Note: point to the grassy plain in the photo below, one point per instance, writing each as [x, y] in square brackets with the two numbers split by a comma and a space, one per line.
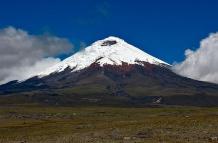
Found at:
[43, 124]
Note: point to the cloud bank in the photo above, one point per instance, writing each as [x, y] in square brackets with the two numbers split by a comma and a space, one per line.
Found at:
[201, 64]
[23, 55]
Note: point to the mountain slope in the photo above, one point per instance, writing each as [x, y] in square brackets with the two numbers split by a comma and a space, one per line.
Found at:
[111, 72]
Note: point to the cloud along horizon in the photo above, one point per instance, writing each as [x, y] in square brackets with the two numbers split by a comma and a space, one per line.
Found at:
[23, 55]
[201, 64]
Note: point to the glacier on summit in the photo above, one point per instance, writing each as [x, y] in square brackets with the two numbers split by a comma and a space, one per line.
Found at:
[109, 51]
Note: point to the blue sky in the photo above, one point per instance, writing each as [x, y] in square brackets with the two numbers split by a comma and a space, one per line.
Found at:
[162, 28]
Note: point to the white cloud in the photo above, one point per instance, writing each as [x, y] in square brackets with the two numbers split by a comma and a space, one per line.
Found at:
[22, 55]
[201, 64]
[25, 72]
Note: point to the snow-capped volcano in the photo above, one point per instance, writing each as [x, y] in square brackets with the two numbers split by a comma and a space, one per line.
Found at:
[111, 72]
[109, 51]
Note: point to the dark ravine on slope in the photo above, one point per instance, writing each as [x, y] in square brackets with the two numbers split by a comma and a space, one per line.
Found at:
[113, 79]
